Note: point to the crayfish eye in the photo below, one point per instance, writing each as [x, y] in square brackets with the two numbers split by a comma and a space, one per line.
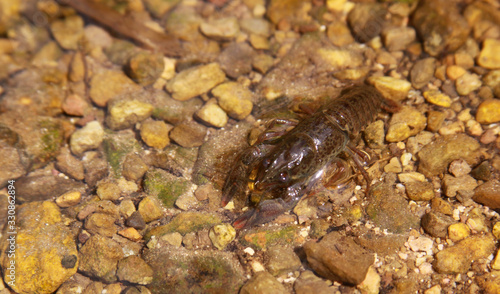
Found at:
[266, 162]
[284, 177]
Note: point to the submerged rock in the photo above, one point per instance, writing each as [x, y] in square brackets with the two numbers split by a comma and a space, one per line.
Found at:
[263, 282]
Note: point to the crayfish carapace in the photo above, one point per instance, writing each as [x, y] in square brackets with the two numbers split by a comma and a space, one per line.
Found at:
[284, 165]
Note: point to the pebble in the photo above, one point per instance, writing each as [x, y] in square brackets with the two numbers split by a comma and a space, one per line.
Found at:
[440, 205]
[195, 81]
[437, 98]
[308, 282]
[467, 84]
[87, 138]
[409, 177]
[454, 72]
[99, 258]
[189, 134]
[336, 59]
[43, 237]
[457, 259]
[212, 114]
[75, 105]
[477, 221]
[174, 239]
[262, 63]
[371, 284]
[68, 31]
[488, 57]
[135, 220]
[436, 224]
[167, 187]
[134, 167]
[149, 209]
[422, 72]
[374, 135]
[458, 231]
[436, 156]
[495, 264]
[101, 223]
[264, 283]
[145, 67]
[421, 243]
[459, 168]
[339, 258]
[236, 59]
[339, 34]
[488, 194]
[221, 29]
[97, 37]
[393, 166]
[69, 165]
[124, 114]
[221, 235]
[391, 88]
[488, 111]
[281, 260]
[398, 38]
[155, 134]
[257, 26]
[108, 84]
[440, 25]
[187, 201]
[405, 123]
[69, 199]
[108, 190]
[367, 20]
[419, 191]
[453, 184]
[134, 269]
[234, 99]
[496, 230]
[482, 171]
[131, 234]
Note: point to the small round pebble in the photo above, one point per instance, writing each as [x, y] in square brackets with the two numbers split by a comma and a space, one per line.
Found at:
[213, 115]
[69, 199]
[87, 138]
[488, 111]
[458, 231]
[489, 57]
[155, 134]
[221, 235]
[437, 98]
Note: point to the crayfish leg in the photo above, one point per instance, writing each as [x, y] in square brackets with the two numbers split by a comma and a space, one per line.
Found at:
[356, 157]
[265, 212]
[339, 173]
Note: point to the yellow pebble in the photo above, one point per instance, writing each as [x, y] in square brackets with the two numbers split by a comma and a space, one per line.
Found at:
[458, 231]
[488, 112]
[437, 98]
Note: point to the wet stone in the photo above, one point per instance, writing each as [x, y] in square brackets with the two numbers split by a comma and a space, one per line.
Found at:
[149, 209]
[145, 68]
[405, 123]
[454, 72]
[262, 63]
[374, 135]
[75, 105]
[127, 207]
[308, 283]
[123, 114]
[166, 187]
[177, 270]
[391, 88]
[367, 21]
[390, 211]
[135, 270]
[195, 81]
[459, 168]
[221, 235]
[420, 191]
[136, 221]
[258, 26]
[221, 29]
[436, 156]
[134, 167]
[437, 98]
[155, 134]
[53, 256]
[438, 204]
[339, 258]
[422, 72]
[435, 120]
[282, 260]
[69, 199]
[488, 58]
[482, 172]
[440, 25]
[488, 194]
[213, 115]
[234, 99]
[87, 138]
[101, 223]
[99, 258]
[95, 170]
[44, 187]
[69, 165]
[467, 84]
[108, 84]
[488, 111]
[187, 201]
[339, 34]
[398, 38]
[68, 32]
[453, 184]
[436, 224]
[263, 282]
[131, 234]
[236, 59]
[458, 258]
[458, 231]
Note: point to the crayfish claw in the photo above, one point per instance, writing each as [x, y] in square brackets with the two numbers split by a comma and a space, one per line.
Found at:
[267, 211]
